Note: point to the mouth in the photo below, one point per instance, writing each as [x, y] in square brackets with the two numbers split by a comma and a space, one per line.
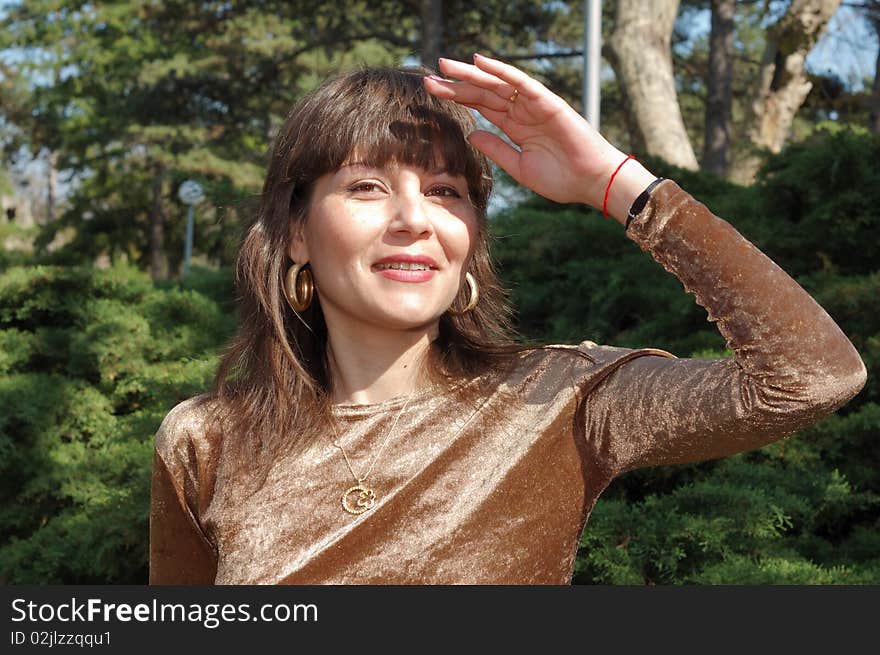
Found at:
[406, 268]
[402, 266]
[405, 262]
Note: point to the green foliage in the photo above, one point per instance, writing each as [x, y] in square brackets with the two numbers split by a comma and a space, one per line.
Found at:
[744, 523]
[822, 195]
[112, 343]
[90, 362]
[15, 349]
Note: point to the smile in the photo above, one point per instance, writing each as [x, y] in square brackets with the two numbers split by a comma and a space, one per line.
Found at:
[411, 272]
[403, 266]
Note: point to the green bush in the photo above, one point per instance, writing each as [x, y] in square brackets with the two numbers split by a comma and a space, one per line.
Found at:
[766, 523]
[16, 348]
[821, 197]
[113, 342]
[90, 362]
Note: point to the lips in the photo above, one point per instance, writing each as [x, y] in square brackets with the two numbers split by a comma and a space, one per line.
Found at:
[406, 258]
[403, 273]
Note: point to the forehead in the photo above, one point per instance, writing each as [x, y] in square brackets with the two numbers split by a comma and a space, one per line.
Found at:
[411, 144]
[394, 166]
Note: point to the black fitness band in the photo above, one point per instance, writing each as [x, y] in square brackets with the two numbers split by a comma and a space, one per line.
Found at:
[640, 202]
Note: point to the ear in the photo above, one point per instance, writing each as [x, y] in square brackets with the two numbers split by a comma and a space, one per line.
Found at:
[297, 249]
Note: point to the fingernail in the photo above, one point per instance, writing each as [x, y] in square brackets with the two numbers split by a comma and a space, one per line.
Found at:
[436, 78]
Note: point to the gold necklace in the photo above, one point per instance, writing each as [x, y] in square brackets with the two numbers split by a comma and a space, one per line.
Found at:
[365, 496]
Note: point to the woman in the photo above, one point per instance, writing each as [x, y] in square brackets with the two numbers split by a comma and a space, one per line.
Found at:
[375, 422]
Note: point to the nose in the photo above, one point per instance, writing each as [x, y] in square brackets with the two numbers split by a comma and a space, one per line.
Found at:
[411, 214]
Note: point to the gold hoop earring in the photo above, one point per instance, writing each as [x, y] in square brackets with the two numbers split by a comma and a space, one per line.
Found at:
[299, 289]
[475, 296]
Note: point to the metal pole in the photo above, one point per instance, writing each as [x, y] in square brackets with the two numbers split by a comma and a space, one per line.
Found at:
[187, 253]
[592, 59]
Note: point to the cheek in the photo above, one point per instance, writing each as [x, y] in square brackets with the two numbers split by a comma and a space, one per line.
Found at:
[473, 235]
[337, 240]
[461, 238]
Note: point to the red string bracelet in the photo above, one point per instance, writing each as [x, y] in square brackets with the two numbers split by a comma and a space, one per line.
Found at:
[608, 188]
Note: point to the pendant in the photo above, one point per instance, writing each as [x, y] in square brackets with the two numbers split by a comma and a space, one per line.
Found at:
[366, 498]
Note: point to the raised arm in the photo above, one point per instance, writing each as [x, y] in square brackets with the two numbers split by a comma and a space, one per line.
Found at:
[792, 364]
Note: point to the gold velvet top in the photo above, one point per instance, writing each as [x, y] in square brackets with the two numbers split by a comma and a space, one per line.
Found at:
[499, 492]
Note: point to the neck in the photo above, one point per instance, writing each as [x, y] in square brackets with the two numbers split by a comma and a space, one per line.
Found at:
[374, 365]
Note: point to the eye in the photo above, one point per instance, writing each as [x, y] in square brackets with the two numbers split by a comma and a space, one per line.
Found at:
[444, 190]
[365, 187]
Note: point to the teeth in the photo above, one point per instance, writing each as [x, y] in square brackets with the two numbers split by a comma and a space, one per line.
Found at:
[404, 266]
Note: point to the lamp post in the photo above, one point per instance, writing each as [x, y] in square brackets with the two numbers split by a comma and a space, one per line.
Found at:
[190, 194]
[592, 59]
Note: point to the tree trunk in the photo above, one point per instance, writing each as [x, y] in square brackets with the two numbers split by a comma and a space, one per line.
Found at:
[432, 31]
[640, 53]
[782, 84]
[158, 259]
[716, 143]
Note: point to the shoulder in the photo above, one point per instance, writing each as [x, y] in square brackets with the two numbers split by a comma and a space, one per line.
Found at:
[183, 430]
[574, 363]
[584, 354]
[560, 362]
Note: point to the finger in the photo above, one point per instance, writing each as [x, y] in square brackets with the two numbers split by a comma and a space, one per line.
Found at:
[500, 119]
[465, 93]
[496, 149]
[527, 86]
[477, 77]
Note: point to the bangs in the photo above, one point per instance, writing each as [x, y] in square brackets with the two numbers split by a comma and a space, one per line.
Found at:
[384, 116]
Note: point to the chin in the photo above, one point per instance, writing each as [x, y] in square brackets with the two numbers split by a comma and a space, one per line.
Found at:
[412, 319]
[413, 322]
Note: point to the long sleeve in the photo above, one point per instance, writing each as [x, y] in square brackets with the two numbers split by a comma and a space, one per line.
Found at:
[792, 364]
[180, 552]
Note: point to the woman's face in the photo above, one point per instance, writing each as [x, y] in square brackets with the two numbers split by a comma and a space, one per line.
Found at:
[388, 246]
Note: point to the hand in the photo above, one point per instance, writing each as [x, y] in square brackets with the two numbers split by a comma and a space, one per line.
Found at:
[560, 155]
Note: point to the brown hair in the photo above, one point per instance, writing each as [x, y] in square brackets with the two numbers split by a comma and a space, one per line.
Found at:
[274, 380]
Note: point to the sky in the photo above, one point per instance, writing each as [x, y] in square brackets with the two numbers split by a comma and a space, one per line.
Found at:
[848, 49]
